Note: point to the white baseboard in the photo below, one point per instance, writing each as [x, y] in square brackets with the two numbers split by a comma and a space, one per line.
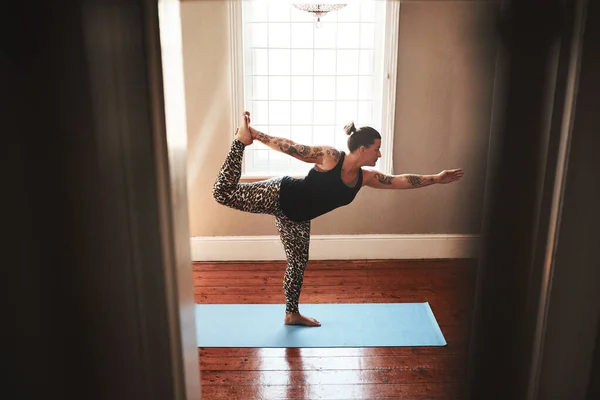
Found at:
[337, 247]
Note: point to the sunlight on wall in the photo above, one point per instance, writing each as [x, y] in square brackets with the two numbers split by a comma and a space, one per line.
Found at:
[199, 149]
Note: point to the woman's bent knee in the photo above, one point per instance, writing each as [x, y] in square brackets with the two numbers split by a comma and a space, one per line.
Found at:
[220, 195]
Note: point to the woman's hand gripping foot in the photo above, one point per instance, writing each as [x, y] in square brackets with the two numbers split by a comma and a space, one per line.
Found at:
[299, 319]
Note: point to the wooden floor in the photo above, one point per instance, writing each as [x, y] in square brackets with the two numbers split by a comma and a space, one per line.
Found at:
[342, 373]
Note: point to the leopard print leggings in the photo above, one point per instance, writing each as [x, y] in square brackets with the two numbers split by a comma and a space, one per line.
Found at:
[263, 198]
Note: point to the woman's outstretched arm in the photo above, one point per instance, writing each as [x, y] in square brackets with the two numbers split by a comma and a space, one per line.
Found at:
[323, 156]
[376, 179]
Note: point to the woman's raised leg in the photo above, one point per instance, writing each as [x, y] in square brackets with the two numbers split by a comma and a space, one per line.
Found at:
[256, 197]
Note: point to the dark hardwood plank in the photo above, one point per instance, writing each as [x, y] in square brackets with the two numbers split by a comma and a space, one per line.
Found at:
[336, 270]
[412, 391]
[449, 294]
[338, 278]
[316, 296]
[415, 363]
[439, 370]
[347, 265]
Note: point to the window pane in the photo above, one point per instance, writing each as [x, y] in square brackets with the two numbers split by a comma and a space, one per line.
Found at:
[350, 13]
[367, 11]
[302, 134]
[302, 88]
[348, 36]
[302, 62]
[279, 88]
[341, 139]
[279, 112]
[347, 88]
[279, 62]
[302, 113]
[260, 158]
[325, 135]
[346, 111]
[324, 62]
[255, 11]
[248, 61]
[260, 64]
[248, 92]
[325, 35]
[279, 35]
[347, 62]
[366, 62]
[258, 34]
[259, 111]
[365, 113]
[302, 35]
[380, 11]
[280, 131]
[324, 87]
[278, 11]
[260, 88]
[324, 112]
[367, 36]
[278, 160]
[365, 88]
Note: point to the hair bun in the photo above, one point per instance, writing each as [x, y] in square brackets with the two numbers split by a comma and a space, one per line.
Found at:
[350, 128]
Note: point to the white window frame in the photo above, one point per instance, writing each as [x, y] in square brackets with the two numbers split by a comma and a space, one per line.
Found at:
[388, 91]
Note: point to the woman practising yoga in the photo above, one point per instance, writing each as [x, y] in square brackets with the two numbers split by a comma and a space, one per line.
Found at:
[333, 182]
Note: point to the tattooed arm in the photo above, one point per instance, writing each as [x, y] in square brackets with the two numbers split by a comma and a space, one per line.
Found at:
[378, 180]
[324, 157]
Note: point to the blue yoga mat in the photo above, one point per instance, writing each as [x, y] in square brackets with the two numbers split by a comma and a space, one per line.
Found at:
[342, 325]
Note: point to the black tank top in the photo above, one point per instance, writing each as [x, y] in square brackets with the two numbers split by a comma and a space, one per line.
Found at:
[317, 193]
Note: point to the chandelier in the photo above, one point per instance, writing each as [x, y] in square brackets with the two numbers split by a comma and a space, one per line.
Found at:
[319, 10]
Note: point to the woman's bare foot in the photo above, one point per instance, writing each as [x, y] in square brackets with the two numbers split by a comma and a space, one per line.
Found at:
[253, 132]
[299, 319]
[243, 132]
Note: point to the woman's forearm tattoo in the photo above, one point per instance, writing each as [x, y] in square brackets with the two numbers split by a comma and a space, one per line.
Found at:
[384, 179]
[263, 138]
[416, 180]
[307, 152]
[289, 147]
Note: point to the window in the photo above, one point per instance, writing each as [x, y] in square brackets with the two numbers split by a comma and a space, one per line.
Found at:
[305, 82]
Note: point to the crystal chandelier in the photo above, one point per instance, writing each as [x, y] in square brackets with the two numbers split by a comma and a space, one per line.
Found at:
[319, 10]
